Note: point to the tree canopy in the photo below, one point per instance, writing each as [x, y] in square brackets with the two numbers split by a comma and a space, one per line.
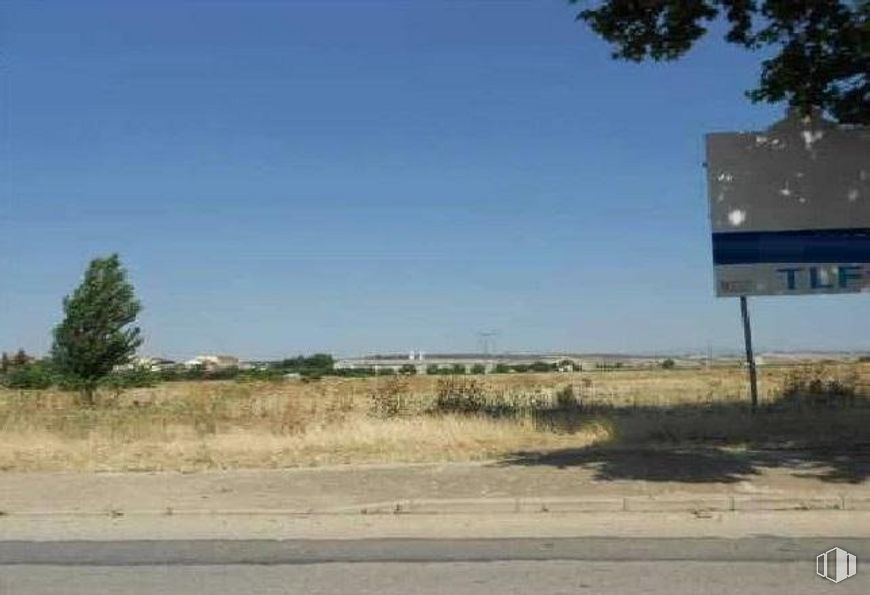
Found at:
[96, 333]
[820, 49]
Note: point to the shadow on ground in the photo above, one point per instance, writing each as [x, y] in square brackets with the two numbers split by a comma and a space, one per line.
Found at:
[700, 464]
[721, 443]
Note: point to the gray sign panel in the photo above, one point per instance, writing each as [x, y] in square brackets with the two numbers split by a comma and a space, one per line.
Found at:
[790, 209]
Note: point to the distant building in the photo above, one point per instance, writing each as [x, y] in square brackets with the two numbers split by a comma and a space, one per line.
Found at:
[253, 366]
[568, 365]
[213, 362]
[154, 364]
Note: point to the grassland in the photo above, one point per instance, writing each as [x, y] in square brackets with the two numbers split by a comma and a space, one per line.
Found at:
[190, 426]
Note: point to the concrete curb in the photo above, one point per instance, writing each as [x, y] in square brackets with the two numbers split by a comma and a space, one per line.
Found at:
[536, 505]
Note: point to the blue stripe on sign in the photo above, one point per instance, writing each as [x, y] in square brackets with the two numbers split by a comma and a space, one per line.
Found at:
[809, 245]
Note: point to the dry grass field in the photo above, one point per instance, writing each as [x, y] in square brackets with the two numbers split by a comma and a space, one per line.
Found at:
[189, 426]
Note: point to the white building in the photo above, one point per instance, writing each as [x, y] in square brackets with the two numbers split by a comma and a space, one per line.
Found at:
[213, 362]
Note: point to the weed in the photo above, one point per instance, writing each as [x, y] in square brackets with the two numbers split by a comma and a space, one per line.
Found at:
[389, 397]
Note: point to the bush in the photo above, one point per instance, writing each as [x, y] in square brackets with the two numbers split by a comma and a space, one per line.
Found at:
[30, 377]
[389, 397]
[455, 394]
[566, 399]
[478, 369]
[354, 372]
[201, 373]
[820, 386]
[222, 373]
[317, 365]
[179, 373]
[408, 369]
[669, 364]
[542, 367]
[136, 377]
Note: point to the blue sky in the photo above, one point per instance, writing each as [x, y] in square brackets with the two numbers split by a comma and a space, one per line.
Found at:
[362, 176]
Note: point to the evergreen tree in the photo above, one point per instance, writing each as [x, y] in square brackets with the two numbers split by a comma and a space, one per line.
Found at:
[96, 334]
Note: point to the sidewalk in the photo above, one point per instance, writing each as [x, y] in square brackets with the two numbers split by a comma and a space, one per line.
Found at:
[660, 483]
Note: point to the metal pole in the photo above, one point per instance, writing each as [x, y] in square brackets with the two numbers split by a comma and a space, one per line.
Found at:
[750, 358]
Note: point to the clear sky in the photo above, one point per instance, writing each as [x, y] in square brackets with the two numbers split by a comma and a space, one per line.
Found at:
[362, 176]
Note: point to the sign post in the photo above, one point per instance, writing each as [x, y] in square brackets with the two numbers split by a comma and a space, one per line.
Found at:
[750, 358]
[790, 212]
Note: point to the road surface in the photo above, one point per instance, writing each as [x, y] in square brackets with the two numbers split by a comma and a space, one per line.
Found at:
[671, 566]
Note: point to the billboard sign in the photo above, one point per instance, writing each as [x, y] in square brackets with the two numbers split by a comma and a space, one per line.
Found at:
[790, 209]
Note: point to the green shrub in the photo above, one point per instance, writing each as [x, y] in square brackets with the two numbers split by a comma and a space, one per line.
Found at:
[136, 377]
[29, 376]
[408, 369]
[317, 365]
[354, 372]
[669, 364]
[201, 373]
[543, 367]
[478, 369]
[223, 373]
[179, 373]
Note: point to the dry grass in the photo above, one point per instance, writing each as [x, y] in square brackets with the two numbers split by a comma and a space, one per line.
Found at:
[190, 425]
[364, 440]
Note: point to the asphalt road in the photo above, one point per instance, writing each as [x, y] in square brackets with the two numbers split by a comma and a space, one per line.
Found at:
[424, 566]
[451, 578]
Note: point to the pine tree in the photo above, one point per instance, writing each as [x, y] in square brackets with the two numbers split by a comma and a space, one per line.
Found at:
[96, 334]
